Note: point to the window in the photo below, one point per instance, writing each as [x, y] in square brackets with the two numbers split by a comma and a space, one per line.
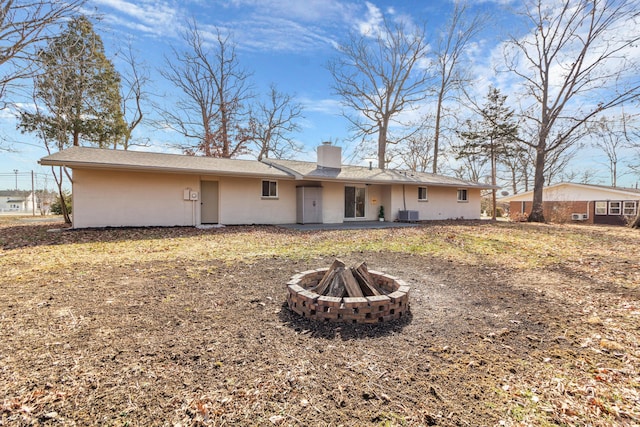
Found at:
[601, 208]
[615, 208]
[422, 193]
[462, 195]
[629, 208]
[270, 189]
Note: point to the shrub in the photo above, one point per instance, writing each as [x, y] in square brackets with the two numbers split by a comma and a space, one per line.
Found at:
[56, 207]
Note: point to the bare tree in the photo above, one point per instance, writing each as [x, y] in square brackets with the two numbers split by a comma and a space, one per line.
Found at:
[133, 81]
[472, 167]
[25, 25]
[558, 161]
[379, 75]
[515, 168]
[416, 151]
[576, 53]
[611, 136]
[215, 89]
[583, 176]
[273, 122]
[450, 50]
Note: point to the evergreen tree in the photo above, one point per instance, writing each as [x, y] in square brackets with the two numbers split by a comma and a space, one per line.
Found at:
[493, 136]
[77, 95]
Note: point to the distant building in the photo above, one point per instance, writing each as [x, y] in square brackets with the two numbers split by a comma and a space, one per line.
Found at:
[24, 202]
[16, 201]
[579, 203]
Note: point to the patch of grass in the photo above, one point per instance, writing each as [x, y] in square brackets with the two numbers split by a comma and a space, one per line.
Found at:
[519, 246]
[128, 288]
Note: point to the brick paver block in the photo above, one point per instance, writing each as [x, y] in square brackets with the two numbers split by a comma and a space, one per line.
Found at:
[378, 300]
[352, 302]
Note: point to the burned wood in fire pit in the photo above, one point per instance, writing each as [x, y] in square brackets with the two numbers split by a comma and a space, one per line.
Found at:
[348, 294]
[343, 281]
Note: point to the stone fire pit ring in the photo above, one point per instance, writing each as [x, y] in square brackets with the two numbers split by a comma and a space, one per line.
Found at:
[371, 309]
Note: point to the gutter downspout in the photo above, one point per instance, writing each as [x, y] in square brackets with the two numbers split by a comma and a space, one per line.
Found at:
[404, 199]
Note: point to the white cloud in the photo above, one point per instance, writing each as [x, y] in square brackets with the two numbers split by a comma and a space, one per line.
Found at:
[326, 106]
[309, 10]
[279, 34]
[372, 22]
[147, 16]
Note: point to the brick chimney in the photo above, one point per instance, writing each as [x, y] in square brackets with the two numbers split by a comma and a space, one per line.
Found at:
[329, 156]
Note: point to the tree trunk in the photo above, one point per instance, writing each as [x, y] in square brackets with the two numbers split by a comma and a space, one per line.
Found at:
[436, 135]
[382, 145]
[537, 214]
[614, 174]
[63, 206]
[636, 222]
[493, 182]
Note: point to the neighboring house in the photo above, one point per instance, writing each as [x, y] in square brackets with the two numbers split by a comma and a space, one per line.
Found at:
[129, 188]
[580, 203]
[17, 201]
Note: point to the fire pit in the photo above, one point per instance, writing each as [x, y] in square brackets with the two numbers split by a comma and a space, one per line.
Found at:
[348, 294]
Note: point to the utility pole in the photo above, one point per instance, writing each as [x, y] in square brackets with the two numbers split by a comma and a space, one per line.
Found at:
[16, 172]
[33, 195]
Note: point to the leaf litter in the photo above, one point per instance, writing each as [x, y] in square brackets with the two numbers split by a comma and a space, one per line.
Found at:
[511, 325]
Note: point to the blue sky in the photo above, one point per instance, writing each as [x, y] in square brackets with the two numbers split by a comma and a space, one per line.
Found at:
[286, 42]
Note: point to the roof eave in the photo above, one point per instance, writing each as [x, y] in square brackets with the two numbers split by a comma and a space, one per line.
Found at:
[140, 168]
[398, 182]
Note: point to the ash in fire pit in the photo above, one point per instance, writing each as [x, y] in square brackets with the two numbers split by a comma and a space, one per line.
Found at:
[348, 294]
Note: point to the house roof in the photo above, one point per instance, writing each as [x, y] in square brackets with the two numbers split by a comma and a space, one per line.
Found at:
[14, 193]
[95, 158]
[347, 173]
[572, 191]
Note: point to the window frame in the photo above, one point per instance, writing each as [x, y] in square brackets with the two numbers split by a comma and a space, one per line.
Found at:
[460, 192]
[601, 208]
[426, 194]
[613, 210]
[630, 207]
[269, 187]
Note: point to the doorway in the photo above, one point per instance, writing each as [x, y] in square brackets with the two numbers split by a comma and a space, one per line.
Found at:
[354, 202]
[209, 202]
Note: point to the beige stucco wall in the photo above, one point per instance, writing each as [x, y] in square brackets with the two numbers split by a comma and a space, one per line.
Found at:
[441, 204]
[122, 198]
[241, 202]
[105, 198]
[112, 198]
[332, 202]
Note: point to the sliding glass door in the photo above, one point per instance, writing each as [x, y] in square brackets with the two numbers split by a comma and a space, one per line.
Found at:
[354, 202]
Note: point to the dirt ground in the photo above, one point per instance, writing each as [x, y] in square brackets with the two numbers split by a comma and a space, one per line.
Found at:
[178, 341]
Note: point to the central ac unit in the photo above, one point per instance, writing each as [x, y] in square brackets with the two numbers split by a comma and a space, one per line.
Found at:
[407, 215]
[578, 217]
